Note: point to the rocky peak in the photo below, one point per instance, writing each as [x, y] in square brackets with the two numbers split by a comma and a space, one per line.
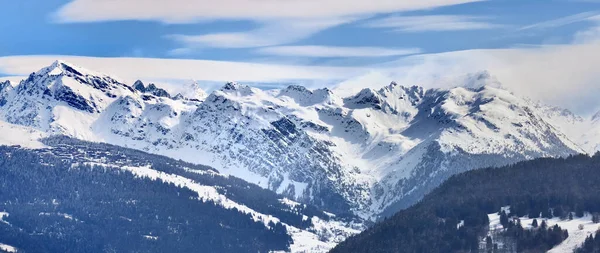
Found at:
[297, 88]
[139, 86]
[237, 89]
[4, 85]
[365, 98]
[233, 86]
[157, 91]
[151, 89]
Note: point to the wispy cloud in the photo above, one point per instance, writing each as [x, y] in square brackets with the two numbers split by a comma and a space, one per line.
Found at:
[130, 69]
[562, 21]
[432, 23]
[268, 34]
[188, 11]
[279, 22]
[331, 51]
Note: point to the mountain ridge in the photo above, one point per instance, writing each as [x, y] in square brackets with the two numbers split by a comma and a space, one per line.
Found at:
[369, 153]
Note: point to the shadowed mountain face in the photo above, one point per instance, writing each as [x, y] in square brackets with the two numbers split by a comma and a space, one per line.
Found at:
[371, 153]
[481, 211]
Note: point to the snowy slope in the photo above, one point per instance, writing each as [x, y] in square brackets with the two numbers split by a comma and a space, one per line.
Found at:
[372, 152]
[576, 235]
[462, 129]
[20, 135]
[321, 237]
[585, 131]
[309, 229]
[7, 248]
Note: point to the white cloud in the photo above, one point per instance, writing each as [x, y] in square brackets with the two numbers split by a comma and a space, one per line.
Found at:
[564, 75]
[590, 15]
[587, 36]
[280, 22]
[186, 11]
[130, 69]
[268, 34]
[590, 35]
[330, 51]
[432, 23]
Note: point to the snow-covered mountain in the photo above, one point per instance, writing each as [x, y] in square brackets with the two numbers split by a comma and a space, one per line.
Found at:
[583, 131]
[371, 153]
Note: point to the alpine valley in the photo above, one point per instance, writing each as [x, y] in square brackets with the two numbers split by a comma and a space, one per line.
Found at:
[317, 166]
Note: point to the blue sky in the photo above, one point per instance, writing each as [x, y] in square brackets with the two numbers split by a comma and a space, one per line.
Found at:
[33, 28]
[328, 39]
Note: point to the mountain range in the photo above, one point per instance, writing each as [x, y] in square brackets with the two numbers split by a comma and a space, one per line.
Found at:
[371, 153]
[365, 155]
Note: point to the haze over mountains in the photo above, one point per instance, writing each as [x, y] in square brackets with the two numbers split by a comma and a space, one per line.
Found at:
[370, 154]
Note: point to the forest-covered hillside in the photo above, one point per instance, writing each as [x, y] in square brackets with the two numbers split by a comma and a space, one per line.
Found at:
[88, 197]
[454, 217]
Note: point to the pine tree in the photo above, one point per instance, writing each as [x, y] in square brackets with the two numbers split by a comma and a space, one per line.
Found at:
[489, 244]
[579, 211]
[534, 223]
[544, 225]
[504, 219]
[559, 212]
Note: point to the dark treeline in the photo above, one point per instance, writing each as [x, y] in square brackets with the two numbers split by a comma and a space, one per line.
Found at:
[56, 203]
[253, 196]
[591, 244]
[540, 238]
[542, 188]
[54, 207]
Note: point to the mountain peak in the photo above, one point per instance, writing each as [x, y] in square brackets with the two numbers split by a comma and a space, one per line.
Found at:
[237, 89]
[61, 63]
[395, 86]
[234, 86]
[139, 86]
[4, 84]
[190, 90]
[151, 88]
[59, 67]
[367, 97]
[297, 88]
[306, 97]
